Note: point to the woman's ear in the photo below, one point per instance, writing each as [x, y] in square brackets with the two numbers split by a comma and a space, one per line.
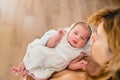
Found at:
[117, 75]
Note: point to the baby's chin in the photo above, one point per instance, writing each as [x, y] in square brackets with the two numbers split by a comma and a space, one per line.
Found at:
[76, 46]
[73, 45]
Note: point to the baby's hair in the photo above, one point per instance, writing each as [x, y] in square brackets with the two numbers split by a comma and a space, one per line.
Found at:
[83, 24]
[78, 23]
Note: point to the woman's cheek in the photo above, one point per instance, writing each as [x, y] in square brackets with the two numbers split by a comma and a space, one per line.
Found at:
[99, 53]
[95, 51]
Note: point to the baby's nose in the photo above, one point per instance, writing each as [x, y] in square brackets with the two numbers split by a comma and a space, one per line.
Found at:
[77, 38]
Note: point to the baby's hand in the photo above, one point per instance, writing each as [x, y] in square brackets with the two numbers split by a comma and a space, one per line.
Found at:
[83, 64]
[61, 32]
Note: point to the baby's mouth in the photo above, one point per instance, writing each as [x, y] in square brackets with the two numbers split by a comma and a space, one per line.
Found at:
[75, 42]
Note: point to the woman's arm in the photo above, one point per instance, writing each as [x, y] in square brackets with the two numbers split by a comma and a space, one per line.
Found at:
[70, 75]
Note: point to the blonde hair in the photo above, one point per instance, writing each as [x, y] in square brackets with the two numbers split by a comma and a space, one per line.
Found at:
[111, 24]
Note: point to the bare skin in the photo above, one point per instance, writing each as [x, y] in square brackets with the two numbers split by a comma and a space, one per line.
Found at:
[54, 40]
[77, 63]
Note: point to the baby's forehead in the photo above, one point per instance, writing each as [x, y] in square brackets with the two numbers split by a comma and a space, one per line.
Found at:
[81, 28]
[78, 26]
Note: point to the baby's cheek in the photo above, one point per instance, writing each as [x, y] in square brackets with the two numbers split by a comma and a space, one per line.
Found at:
[82, 44]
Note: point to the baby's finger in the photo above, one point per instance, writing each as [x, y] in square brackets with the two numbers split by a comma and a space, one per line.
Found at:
[24, 73]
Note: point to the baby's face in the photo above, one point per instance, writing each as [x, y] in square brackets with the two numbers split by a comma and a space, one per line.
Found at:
[78, 36]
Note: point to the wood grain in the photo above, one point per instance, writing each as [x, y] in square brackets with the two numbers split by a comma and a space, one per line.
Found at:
[21, 21]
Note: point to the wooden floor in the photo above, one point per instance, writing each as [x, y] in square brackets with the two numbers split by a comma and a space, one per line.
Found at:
[21, 21]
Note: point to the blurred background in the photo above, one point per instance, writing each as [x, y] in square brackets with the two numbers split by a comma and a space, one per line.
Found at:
[21, 21]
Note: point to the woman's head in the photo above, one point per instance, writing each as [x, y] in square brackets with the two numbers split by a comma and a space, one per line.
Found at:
[106, 45]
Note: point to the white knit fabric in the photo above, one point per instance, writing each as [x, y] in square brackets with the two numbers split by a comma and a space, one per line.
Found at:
[43, 61]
